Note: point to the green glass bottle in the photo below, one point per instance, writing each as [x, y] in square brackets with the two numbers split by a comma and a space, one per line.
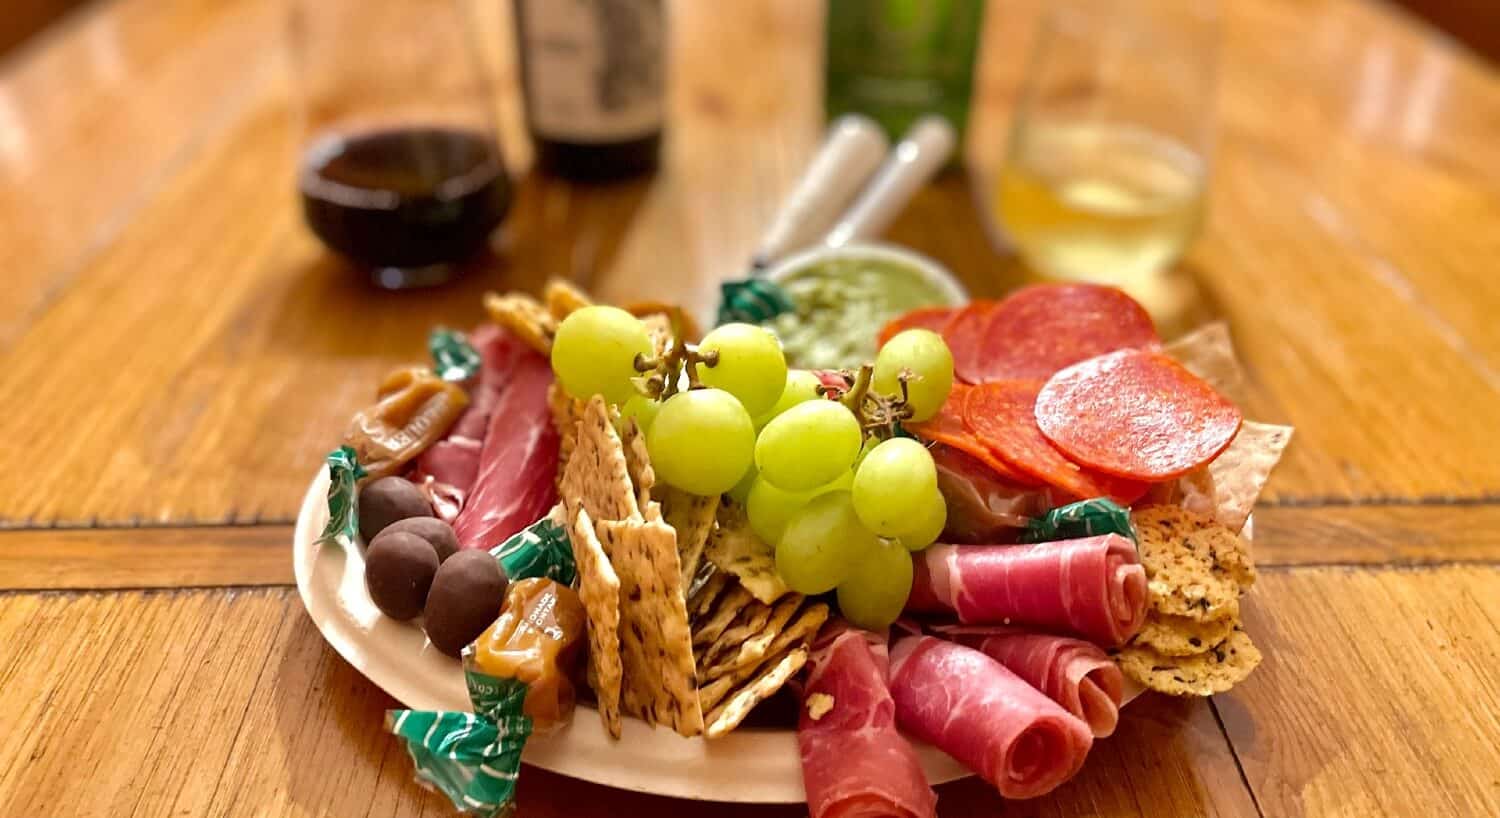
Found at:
[896, 60]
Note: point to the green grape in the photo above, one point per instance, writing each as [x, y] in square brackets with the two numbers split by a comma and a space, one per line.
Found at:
[740, 492]
[808, 445]
[701, 441]
[750, 366]
[801, 385]
[923, 353]
[642, 408]
[875, 590]
[823, 540]
[930, 527]
[594, 352]
[893, 485]
[769, 508]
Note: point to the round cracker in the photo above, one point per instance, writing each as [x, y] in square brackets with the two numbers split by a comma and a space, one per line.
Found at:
[1214, 671]
[1181, 636]
[1195, 567]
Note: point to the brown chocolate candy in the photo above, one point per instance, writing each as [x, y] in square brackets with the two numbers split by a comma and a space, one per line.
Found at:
[399, 570]
[465, 598]
[431, 529]
[386, 500]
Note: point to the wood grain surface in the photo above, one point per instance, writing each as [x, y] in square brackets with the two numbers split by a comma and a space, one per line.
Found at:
[177, 353]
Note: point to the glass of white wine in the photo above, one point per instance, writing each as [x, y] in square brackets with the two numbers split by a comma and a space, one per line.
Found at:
[1105, 173]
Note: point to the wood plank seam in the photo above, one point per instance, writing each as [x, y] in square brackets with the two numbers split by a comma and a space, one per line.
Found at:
[1234, 753]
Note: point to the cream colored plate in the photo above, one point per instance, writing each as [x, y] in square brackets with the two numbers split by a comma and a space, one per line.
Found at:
[748, 765]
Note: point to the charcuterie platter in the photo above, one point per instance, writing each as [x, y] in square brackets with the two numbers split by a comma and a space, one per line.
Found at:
[714, 565]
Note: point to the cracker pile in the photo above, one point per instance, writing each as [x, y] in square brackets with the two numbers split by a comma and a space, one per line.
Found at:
[1197, 569]
[695, 659]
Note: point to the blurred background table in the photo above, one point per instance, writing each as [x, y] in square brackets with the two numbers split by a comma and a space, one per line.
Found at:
[176, 354]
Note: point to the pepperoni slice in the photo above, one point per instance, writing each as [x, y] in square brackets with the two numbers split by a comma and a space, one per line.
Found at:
[933, 318]
[1137, 414]
[1040, 329]
[1001, 414]
[965, 335]
[947, 427]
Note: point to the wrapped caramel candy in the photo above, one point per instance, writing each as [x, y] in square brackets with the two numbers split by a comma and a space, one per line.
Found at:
[415, 409]
[536, 641]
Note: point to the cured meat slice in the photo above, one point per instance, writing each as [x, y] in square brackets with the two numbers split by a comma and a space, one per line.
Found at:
[518, 465]
[1137, 414]
[1094, 587]
[855, 763]
[947, 427]
[965, 335]
[447, 470]
[1040, 329]
[1074, 673]
[985, 716]
[1002, 415]
[933, 318]
[983, 508]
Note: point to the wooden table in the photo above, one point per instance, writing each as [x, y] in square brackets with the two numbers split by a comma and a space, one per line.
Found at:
[176, 354]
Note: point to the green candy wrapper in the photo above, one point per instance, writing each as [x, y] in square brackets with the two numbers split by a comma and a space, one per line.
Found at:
[472, 758]
[453, 357]
[541, 549]
[344, 473]
[1085, 518]
[752, 300]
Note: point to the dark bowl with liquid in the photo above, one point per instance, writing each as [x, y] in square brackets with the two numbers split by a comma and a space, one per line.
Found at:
[404, 197]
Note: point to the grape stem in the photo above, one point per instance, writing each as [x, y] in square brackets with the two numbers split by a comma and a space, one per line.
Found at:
[877, 414]
[666, 370]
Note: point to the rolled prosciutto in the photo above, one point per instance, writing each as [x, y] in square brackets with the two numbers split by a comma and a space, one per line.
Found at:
[1093, 587]
[1074, 673]
[518, 464]
[855, 764]
[982, 506]
[447, 470]
[985, 716]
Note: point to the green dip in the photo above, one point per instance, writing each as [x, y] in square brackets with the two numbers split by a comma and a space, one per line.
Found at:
[841, 304]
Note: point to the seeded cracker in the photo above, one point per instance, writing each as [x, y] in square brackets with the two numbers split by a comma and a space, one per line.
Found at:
[753, 650]
[637, 460]
[599, 588]
[1213, 671]
[525, 317]
[728, 715]
[723, 614]
[563, 298]
[693, 517]
[597, 477]
[1194, 566]
[1180, 636]
[749, 622]
[735, 548]
[655, 643]
[566, 411]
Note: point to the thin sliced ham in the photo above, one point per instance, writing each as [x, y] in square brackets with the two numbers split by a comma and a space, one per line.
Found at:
[986, 717]
[447, 470]
[1093, 587]
[982, 507]
[1074, 673]
[518, 464]
[855, 764]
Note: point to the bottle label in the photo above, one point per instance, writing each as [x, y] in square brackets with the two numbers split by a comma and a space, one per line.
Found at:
[593, 68]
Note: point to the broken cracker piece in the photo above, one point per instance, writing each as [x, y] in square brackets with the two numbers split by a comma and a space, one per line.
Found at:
[754, 649]
[735, 548]
[728, 715]
[525, 317]
[749, 622]
[724, 611]
[599, 588]
[563, 298]
[818, 705]
[693, 517]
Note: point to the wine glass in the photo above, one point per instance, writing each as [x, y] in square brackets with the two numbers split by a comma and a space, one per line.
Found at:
[1105, 173]
[401, 170]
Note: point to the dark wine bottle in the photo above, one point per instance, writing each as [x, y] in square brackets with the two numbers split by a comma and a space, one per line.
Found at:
[592, 76]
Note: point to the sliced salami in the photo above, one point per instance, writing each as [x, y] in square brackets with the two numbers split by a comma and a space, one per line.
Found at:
[965, 335]
[1136, 414]
[1040, 329]
[947, 427]
[1001, 414]
[933, 318]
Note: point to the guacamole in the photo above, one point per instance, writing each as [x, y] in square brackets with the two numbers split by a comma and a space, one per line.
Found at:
[841, 304]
